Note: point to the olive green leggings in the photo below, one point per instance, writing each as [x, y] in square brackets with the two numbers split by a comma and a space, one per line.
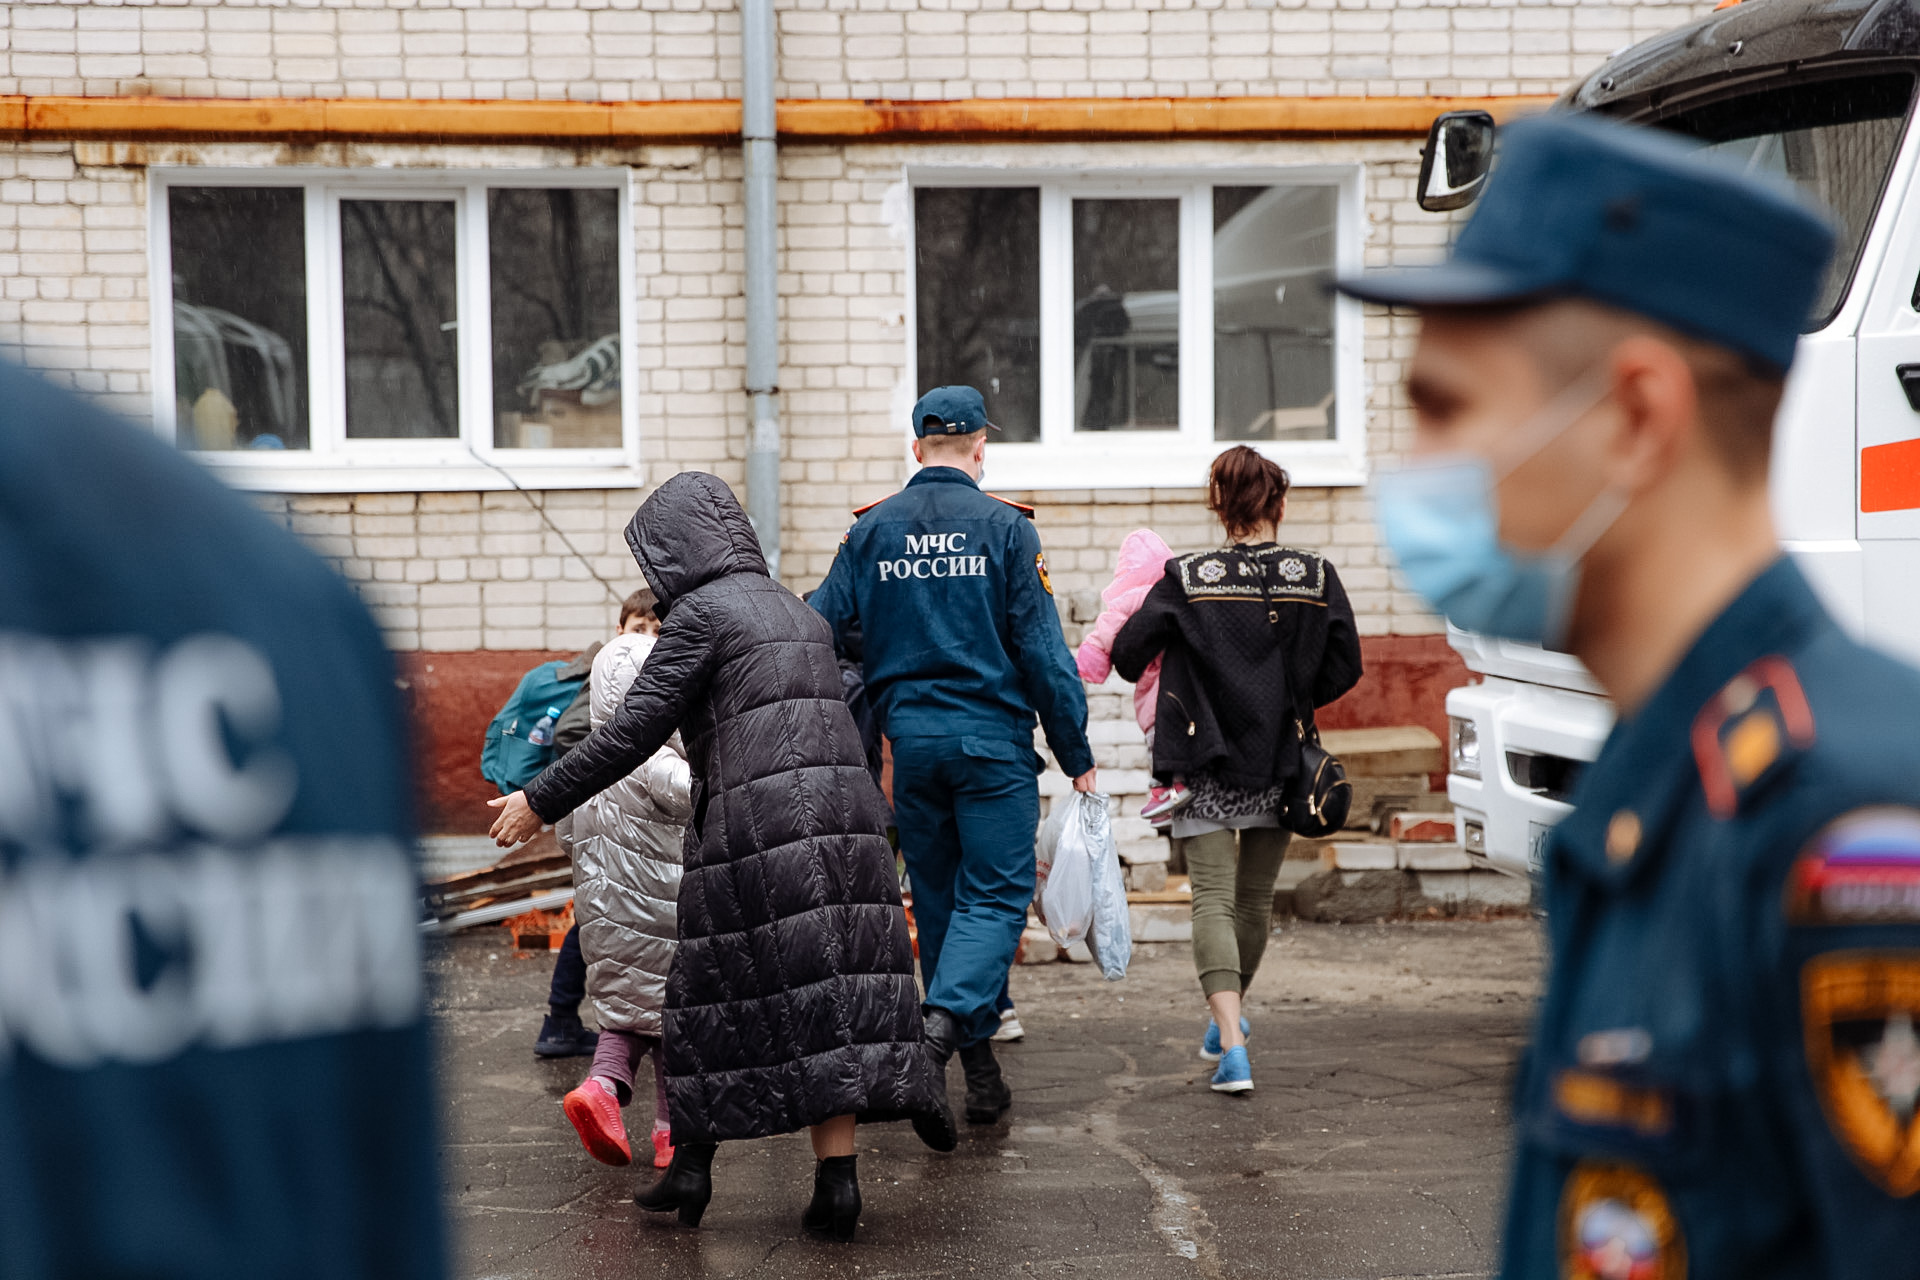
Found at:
[1232, 873]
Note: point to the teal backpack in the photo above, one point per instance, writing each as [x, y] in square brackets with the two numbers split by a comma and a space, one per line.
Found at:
[520, 739]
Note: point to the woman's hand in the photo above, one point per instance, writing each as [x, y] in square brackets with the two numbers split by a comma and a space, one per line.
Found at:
[517, 822]
[1086, 781]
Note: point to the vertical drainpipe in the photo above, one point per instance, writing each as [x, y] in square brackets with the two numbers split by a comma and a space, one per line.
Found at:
[763, 335]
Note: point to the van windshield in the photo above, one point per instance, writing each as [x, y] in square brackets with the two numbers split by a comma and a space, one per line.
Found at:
[1836, 138]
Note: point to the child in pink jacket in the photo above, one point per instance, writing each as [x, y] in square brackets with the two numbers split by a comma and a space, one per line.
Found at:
[1143, 561]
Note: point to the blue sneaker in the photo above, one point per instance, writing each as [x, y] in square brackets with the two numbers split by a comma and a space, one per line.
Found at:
[1210, 1047]
[1235, 1074]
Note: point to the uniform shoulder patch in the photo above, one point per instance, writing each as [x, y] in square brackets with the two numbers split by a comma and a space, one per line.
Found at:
[1616, 1223]
[1021, 507]
[1862, 868]
[1232, 575]
[1747, 730]
[1858, 1011]
[1040, 563]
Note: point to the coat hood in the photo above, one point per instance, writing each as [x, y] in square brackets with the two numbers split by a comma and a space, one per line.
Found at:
[689, 532]
[1143, 562]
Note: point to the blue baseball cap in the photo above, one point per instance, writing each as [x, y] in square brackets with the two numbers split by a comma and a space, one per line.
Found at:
[1583, 207]
[950, 411]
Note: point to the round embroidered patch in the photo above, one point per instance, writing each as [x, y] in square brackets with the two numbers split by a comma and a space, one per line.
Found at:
[1616, 1224]
[1211, 571]
[1292, 569]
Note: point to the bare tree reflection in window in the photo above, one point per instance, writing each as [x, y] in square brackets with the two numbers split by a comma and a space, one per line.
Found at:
[1126, 315]
[1273, 313]
[555, 276]
[401, 318]
[239, 316]
[977, 304]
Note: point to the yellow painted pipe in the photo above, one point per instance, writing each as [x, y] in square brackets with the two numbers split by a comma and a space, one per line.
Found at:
[718, 121]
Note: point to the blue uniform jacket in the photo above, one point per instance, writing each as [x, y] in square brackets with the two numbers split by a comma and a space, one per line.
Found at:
[1724, 1076]
[942, 592]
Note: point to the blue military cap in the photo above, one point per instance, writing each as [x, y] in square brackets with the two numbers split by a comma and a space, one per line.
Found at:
[1637, 219]
[950, 411]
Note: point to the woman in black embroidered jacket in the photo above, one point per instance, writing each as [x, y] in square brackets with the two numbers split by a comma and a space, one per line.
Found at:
[1245, 666]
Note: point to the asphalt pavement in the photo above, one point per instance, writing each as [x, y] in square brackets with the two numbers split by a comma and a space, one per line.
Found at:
[1374, 1144]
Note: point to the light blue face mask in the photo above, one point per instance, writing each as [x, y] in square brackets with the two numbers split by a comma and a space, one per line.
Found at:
[1441, 518]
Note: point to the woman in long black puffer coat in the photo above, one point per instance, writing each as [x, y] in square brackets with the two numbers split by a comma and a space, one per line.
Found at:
[791, 1002]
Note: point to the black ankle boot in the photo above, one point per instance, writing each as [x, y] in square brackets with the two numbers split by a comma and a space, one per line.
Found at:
[836, 1199]
[940, 1033]
[687, 1184]
[562, 1035]
[988, 1096]
[938, 1037]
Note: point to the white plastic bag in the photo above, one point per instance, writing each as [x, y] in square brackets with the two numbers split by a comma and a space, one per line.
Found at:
[1063, 872]
[1111, 937]
[1082, 895]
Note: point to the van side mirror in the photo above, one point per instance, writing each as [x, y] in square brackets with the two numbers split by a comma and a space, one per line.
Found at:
[1454, 164]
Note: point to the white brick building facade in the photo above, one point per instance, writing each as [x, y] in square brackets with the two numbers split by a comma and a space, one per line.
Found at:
[459, 571]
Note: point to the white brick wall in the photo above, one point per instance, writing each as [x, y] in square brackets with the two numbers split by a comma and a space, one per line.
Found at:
[464, 571]
[676, 49]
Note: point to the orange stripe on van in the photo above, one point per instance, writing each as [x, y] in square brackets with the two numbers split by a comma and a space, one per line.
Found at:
[1890, 476]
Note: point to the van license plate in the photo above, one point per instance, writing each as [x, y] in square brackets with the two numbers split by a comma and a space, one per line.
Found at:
[1537, 833]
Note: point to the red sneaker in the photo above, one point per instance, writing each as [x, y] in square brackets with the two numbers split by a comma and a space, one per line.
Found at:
[595, 1114]
[662, 1148]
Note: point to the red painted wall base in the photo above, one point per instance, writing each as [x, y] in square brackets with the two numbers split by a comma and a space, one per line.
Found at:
[451, 697]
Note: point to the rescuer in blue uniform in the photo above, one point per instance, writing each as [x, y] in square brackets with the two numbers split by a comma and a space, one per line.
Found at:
[214, 1057]
[942, 592]
[1725, 1077]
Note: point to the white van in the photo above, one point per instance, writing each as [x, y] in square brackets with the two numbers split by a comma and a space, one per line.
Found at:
[1822, 91]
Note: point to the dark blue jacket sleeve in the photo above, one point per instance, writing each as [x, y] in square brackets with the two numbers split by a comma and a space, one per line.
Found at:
[1040, 651]
[835, 601]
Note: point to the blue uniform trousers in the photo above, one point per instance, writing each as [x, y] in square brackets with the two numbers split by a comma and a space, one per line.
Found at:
[967, 809]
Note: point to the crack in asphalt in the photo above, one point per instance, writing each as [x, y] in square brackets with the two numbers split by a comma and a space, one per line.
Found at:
[1466, 1228]
[1177, 1213]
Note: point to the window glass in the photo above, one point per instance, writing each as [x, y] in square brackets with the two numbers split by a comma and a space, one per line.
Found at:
[1272, 313]
[239, 316]
[401, 309]
[1126, 315]
[1835, 138]
[554, 270]
[977, 317]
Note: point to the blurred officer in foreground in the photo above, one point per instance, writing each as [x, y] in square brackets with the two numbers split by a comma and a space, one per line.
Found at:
[942, 591]
[212, 1055]
[1724, 1077]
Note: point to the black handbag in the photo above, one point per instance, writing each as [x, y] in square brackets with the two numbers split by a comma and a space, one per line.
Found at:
[1318, 797]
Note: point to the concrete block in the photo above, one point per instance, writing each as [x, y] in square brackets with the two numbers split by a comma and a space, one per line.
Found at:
[1444, 886]
[1434, 857]
[1352, 897]
[1497, 889]
[1036, 947]
[1402, 791]
[1377, 753]
[1353, 855]
[1159, 922]
[1147, 877]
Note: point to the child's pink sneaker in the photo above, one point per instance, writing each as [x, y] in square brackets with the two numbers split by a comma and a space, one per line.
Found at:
[1163, 802]
[662, 1148]
[595, 1114]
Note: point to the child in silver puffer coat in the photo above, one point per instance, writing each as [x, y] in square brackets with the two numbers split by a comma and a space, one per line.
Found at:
[626, 845]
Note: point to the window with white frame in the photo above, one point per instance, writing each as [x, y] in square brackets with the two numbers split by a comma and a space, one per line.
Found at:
[1124, 330]
[346, 324]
